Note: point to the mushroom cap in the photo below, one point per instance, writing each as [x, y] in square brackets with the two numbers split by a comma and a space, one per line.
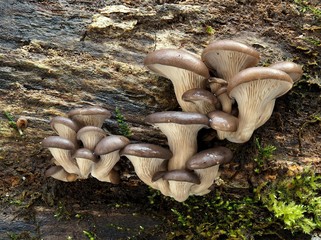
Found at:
[223, 121]
[89, 116]
[181, 176]
[59, 173]
[85, 153]
[146, 150]
[110, 144]
[184, 118]
[177, 58]
[205, 100]
[90, 136]
[227, 57]
[58, 142]
[60, 123]
[294, 70]
[258, 74]
[210, 157]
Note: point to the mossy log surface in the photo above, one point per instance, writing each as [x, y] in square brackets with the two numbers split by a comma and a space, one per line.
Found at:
[59, 55]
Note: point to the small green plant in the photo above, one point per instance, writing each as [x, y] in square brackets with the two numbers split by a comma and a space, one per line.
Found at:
[12, 122]
[90, 235]
[61, 212]
[122, 125]
[305, 6]
[210, 30]
[264, 153]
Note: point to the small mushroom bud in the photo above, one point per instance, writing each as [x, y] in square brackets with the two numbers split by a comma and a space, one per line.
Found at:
[21, 123]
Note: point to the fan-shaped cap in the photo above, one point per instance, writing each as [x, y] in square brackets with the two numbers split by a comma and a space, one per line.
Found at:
[177, 117]
[58, 142]
[146, 150]
[223, 121]
[210, 157]
[294, 70]
[175, 58]
[89, 116]
[110, 144]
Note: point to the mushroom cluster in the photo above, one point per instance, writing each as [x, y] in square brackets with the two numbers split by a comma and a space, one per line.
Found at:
[224, 90]
[82, 148]
[226, 85]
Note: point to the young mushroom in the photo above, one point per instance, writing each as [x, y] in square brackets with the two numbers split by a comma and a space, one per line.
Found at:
[65, 128]
[89, 116]
[184, 69]
[59, 173]
[180, 183]
[226, 58]
[148, 159]
[108, 150]
[204, 100]
[206, 165]
[85, 159]
[255, 90]
[62, 149]
[181, 130]
[90, 136]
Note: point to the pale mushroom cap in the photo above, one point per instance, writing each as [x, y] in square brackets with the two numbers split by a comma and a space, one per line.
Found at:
[61, 149]
[110, 144]
[59, 173]
[90, 136]
[184, 69]
[148, 159]
[222, 121]
[210, 157]
[85, 159]
[294, 70]
[273, 76]
[228, 57]
[254, 89]
[89, 116]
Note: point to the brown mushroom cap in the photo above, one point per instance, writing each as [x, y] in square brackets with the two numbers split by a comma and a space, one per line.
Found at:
[110, 144]
[294, 70]
[181, 176]
[222, 121]
[59, 173]
[203, 99]
[146, 150]
[58, 142]
[176, 58]
[210, 157]
[184, 69]
[177, 117]
[89, 116]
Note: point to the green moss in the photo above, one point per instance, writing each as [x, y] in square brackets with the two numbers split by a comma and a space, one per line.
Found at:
[122, 124]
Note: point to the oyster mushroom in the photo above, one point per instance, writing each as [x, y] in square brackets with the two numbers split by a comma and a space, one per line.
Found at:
[206, 165]
[255, 89]
[181, 130]
[59, 173]
[90, 136]
[65, 128]
[184, 69]
[148, 159]
[226, 58]
[85, 159]
[204, 100]
[62, 149]
[89, 116]
[108, 150]
[294, 70]
[180, 183]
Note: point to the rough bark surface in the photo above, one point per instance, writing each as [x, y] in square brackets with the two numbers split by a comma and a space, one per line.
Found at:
[58, 55]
